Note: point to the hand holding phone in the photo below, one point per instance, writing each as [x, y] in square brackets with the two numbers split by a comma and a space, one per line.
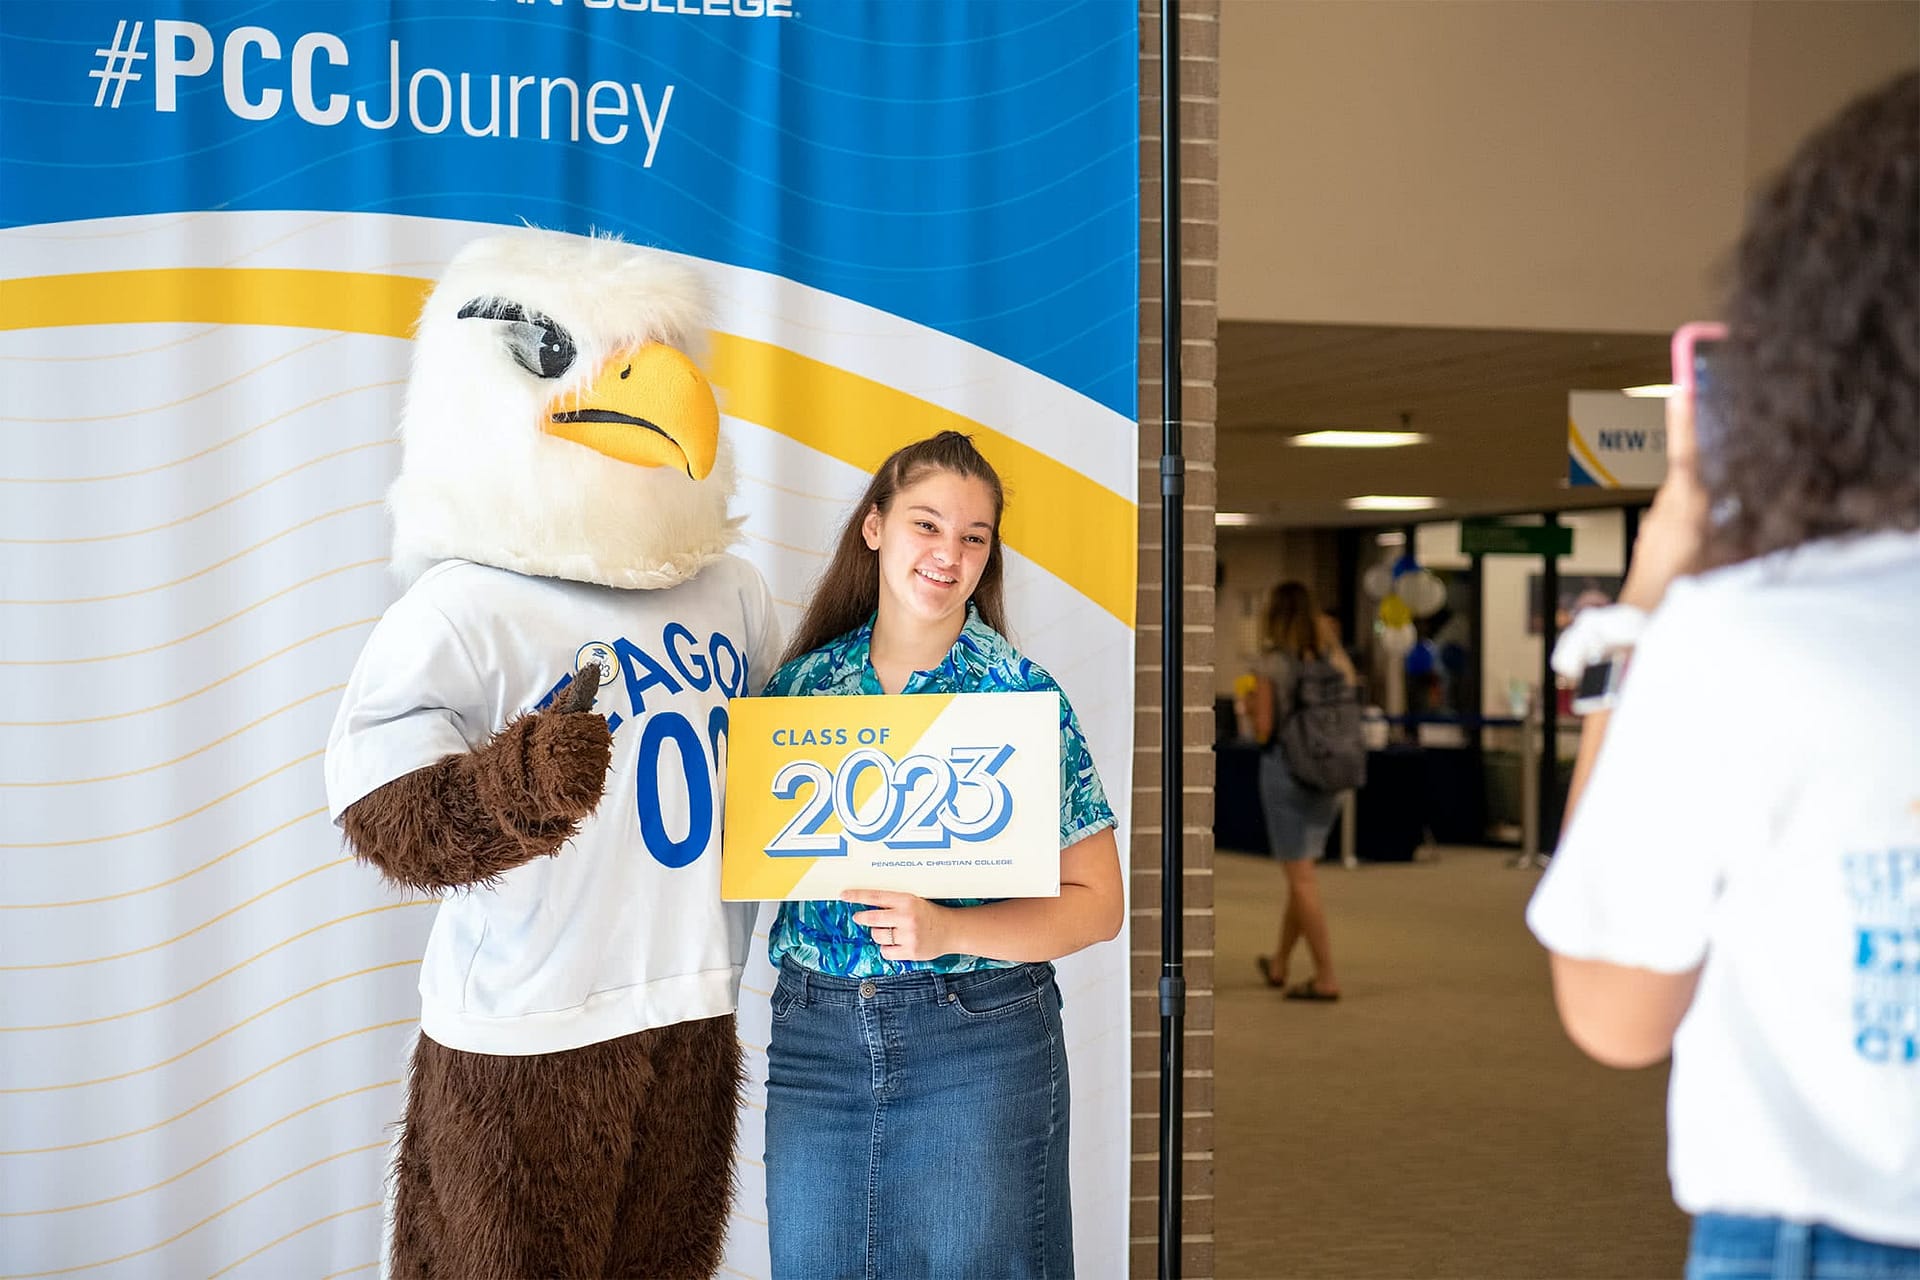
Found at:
[1695, 356]
[1673, 529]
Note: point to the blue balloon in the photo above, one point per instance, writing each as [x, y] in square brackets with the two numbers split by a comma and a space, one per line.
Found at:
[1405, 564]
[1420, 659]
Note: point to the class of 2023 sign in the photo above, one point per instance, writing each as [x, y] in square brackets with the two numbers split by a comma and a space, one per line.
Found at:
[943, 795]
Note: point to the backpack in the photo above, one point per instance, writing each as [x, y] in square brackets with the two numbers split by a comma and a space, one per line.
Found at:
[1321, 739]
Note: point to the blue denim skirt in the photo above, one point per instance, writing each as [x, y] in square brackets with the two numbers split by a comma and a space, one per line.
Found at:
[917, 1126]
[1728, 1247]
[1299, 819]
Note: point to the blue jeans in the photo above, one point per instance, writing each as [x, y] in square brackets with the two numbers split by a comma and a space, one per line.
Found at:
[1726, 1247]
[917, 1126]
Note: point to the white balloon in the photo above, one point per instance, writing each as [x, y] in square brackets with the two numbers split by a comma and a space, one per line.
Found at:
[1398, 641]
[1377, 581]
[1423, 591]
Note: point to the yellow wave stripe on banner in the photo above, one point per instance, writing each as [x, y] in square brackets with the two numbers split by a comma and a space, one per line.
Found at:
[183, 1234]
[224, 1031]
[1076, 529]
[210, 1100]
[345, 301]
[128, 1195]
[317, 1222]
[1080, 531]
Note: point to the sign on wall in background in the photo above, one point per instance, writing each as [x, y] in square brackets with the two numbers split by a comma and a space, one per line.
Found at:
[1498, 538]
[217, 226]
[1616, 441]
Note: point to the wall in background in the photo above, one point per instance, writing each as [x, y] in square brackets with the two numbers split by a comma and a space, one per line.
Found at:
[1516, 166]
[1252, 563]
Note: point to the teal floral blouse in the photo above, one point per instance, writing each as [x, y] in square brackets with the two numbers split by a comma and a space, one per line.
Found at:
[822, 935]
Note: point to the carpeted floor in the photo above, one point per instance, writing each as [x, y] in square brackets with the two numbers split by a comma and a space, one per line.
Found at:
[1435, 1122]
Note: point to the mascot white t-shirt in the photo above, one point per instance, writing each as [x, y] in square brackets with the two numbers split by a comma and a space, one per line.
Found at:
[569, 950]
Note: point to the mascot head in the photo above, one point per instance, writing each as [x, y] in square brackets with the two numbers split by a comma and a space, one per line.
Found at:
[555, 422]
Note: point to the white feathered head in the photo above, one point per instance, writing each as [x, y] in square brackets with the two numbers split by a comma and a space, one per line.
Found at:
[555, 422]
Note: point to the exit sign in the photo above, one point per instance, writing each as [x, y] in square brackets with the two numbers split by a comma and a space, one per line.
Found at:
[1485, 538]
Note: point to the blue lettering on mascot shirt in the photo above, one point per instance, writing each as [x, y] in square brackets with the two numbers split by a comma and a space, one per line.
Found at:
[673, 752]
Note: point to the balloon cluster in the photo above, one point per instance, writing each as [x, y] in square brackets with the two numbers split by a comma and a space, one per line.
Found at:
[1405, 591]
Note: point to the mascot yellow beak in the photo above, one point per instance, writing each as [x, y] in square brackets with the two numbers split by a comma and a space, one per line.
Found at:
[648, 406]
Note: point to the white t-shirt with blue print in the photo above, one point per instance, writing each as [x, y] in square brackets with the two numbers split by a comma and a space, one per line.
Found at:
[822, 935]
[623, 929]
[1755, 810]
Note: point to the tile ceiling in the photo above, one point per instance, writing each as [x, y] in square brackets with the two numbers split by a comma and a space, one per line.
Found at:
[1493, 402]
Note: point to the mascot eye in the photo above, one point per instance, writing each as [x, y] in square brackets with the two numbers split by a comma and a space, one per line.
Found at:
[538, 345]
[542, 347]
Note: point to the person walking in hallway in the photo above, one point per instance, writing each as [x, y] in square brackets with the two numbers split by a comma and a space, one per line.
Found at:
[1306, 714]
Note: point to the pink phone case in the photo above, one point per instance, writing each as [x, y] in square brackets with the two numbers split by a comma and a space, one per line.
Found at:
[1684, 339]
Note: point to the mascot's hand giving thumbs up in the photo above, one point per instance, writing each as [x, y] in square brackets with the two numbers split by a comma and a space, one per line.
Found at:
[471, 817]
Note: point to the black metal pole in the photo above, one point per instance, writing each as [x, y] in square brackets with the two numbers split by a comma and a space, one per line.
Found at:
[1173, 492]
[1347, 544]
[1475, 704]
[1549, 780]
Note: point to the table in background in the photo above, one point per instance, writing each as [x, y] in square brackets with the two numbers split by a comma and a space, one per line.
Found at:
[1414, 795]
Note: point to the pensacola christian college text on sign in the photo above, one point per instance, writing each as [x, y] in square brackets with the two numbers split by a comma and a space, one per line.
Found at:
[943, 795]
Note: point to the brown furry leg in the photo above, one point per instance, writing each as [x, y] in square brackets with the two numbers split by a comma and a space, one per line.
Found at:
[512, 1166]
[416, 1216]
[672, 1216]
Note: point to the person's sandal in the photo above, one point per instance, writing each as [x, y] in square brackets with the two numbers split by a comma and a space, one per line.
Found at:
[1307, 991]
[1266, 973]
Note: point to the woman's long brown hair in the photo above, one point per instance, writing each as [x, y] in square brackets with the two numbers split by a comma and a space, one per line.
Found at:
[849, 591]
[1293, 621]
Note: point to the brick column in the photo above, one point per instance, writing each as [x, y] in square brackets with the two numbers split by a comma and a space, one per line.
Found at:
[1199, 238]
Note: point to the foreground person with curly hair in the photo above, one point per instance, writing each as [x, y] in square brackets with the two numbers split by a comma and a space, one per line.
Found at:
[1740, 879]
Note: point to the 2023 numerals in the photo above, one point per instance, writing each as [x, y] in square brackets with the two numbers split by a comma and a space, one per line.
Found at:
[922, 802]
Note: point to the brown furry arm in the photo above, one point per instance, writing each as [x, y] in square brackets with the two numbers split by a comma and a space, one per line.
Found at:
[471, 818]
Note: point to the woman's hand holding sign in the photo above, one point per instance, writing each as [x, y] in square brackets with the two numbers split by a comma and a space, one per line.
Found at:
[1089, 908]
[907, 926]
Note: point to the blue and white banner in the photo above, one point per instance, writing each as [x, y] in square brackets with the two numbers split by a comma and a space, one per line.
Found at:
[217, 221]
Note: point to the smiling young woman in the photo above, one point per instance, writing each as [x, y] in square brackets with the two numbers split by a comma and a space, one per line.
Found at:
[932, 544]
[917, 1057]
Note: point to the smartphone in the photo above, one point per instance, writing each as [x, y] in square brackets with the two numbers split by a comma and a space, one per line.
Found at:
[1696, 358]
[1599, 686]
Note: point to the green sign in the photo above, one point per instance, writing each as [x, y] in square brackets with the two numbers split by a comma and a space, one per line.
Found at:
[1485, 538]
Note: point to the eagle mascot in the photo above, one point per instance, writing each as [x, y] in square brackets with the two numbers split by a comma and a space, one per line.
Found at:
[536, 732]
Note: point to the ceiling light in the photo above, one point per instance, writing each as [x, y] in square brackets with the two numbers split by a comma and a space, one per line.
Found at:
[1359, 439]
[1652, 391]
[1391, 502]
[1232, 518]
[1391, 538]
